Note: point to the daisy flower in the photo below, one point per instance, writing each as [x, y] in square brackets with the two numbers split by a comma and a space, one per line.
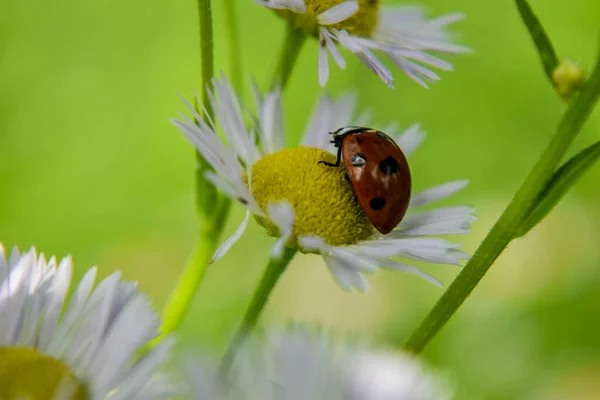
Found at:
[404, 34]
[87, 349]
[300, 364]
[309, 206]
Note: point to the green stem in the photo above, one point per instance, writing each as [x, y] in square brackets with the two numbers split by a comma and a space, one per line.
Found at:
[540, 38]
[261, 295]
[235, 51]
[206, 49]
[210, 225]
[292, 45]
[515, 213]
[193, 273]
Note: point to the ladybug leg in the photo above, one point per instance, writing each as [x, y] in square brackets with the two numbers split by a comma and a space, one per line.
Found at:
[337, 161]
[329, 164]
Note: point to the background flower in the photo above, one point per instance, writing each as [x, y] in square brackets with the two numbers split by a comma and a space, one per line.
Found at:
[299, 364]
[404, 34]
[97, 337]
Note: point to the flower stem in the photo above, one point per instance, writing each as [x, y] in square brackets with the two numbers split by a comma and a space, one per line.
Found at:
[235, 51]
[507, 226]
[292, 45]
[206, 48]
[211, 224]
[261, 295]
[189, 281]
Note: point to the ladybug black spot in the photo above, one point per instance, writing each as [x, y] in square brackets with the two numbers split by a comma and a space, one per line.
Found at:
[377, 203]
[389, 166]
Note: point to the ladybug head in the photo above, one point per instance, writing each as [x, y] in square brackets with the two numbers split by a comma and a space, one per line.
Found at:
[340, 134]
[337, 140]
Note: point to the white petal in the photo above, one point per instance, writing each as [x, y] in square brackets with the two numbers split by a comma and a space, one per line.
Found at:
[338, 13]
[364, 118]
[437, 193]
[313, 244]
[375, 64]
[223, 185]
[396, 266]
[423, 57]
[317, 133]
[323, 65]
[328, 116]
[271, 121]
[449, 18]
[229, 116]
[212, 149]
[278, 247]
[202, 377]
[140, 373]
[104, 300]
[343, 110]
[224, 248]
[382, 375]
[411, 139]
[238, 192]
[417, 72]
[447, 220]
[54, 305]
[360, 47]
[282, 215]
[332, 48]
[353, 260]
[297, 6]
[69, 319]
[347, 278]
[110, 363]
[421, 249]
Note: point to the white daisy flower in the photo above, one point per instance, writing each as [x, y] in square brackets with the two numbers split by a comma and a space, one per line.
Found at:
[403, 34]
[310, 206]
[86, 349]
[297, 365]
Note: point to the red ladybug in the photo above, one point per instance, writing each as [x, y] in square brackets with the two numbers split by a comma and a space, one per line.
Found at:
[378, 172]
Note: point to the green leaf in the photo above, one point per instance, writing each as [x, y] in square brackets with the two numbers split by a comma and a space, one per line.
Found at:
[559, 185]
[540, 38]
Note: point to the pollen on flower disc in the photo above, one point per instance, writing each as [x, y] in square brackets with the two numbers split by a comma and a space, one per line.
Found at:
[321, 196]
[28, 374]
[362, 23]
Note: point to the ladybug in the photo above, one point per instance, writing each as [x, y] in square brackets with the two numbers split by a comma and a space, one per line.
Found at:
[378, 172]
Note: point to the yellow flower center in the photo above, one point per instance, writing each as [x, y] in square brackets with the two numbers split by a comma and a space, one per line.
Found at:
[27, 374]
[362, 23]
[322, 198]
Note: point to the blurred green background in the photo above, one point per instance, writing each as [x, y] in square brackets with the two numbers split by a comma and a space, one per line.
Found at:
[91, 166]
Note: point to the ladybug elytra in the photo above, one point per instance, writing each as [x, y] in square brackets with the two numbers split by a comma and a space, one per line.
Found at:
[378, 172]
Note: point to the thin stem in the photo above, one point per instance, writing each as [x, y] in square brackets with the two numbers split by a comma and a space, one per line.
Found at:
[292, 45]
[515, 213]
[210, 226]
[540, 38]
[193, 273]
[261, 295]
[235, 50]
[206, 49]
